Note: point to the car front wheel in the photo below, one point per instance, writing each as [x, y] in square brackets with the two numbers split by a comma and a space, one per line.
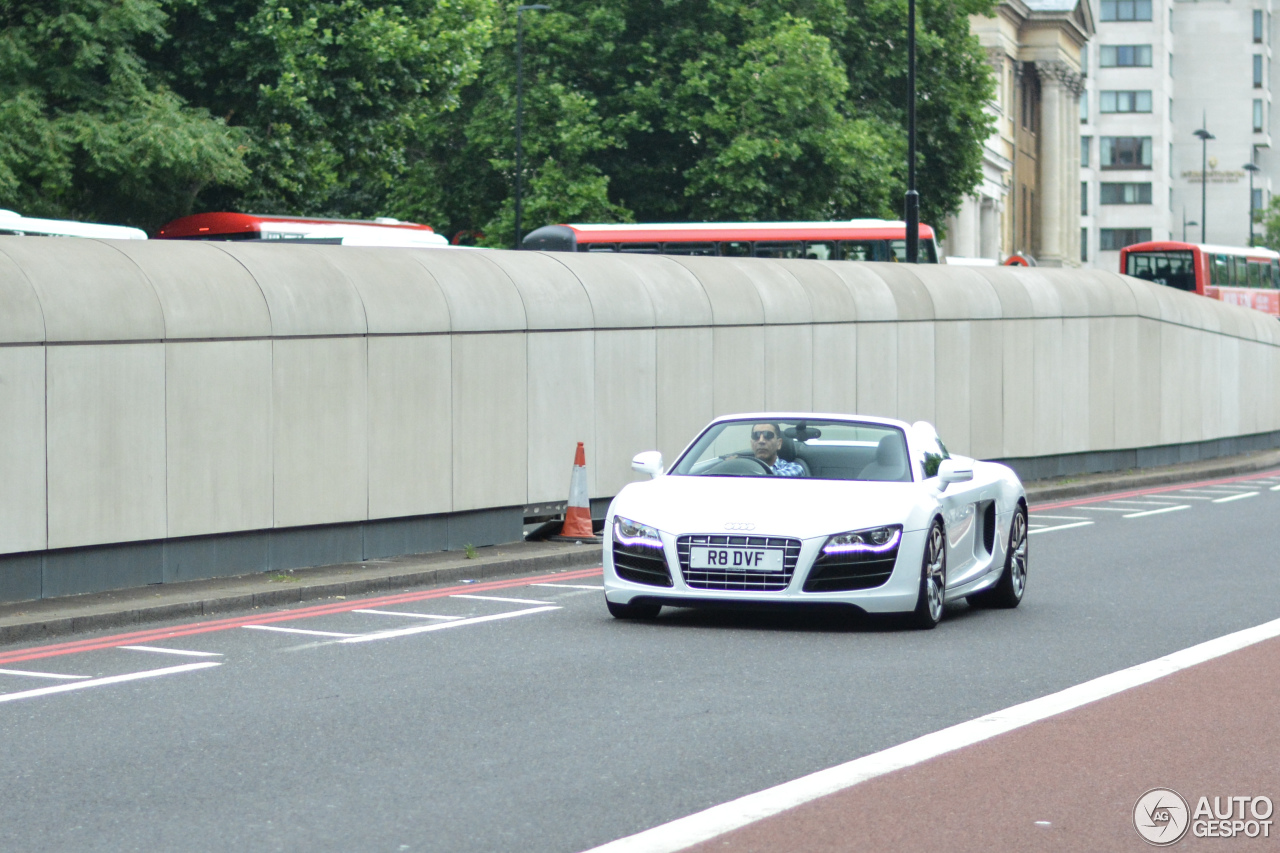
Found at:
[933, 580]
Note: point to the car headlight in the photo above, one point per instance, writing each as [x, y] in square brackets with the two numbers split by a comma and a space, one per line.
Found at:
[628, 532]
[874, 540]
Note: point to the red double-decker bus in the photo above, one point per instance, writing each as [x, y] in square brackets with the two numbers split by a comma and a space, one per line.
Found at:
[1236, 275]
[265, 227]
[849, 240]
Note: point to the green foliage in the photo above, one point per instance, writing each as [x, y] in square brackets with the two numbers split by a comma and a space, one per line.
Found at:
[87, 131]
[1269, 216]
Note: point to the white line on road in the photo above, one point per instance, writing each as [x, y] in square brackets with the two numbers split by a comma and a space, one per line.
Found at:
[1236, 497]
[112, 679]
[1275, 488]
[1145, 503]
[1157, 511]
[399, 613]
[1060, 527]
[1059, 517]
[42, 674]
[570, 585]
[440, 626]
[503, 600]
[1206, 491]
[183, 652]
[297, 631]
[717, 820]
[1106, 508]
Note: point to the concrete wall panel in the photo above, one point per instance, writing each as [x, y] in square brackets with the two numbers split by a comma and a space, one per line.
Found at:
[625, 390]
[106, 443]
[21, 317]
[788, 368]
[22, 450]
[1048, 375]
[88, 291]
[399, 296]
[835, 368]
[480, 294]
[218, 436]
[959, 294]
[305, 291]
[917, 377]
[953, 349]
[203, 291]
[986, 396]
[1075, 384]
[1007, 282]
[1019, 405]
[410, 426]
[1102, 367]
[830, 298]
[685, 398]
[913, 300]
[552, 295]
[490, 421]
[677, 297]
[738, 372]
[320, 447]
[561, 412]
[873, 300]
[618, 296]
[727, 282]
[878, 369]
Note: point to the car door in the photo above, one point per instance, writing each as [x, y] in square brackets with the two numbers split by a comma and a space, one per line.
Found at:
[959, 503]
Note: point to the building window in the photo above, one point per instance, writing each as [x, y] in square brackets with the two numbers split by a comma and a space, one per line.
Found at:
[1257, 71]
[1115, 239]
[1125, 55]
[1126, 10]
[1084, 244]
[1126, 152]
[1124, 102]
[1084, 198]
[1125, 194]
[1256, 201]
[1084, 109]
[1257, 26]
[1257, 115]
[1084, 150]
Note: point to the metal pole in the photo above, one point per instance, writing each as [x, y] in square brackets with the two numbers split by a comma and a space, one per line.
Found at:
[1251, 168]
[1204, 184]
[520, 10]
[913, 198]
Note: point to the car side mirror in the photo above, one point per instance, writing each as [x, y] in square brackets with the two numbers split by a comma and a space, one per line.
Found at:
[954, 471]
[649, 462]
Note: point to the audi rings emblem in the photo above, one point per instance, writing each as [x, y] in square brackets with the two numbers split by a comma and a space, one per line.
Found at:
[739, 525]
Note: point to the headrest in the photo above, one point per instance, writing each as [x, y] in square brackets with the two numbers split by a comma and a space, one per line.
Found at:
[889, 451]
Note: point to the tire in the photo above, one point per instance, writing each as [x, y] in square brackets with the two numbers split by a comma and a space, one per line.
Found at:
[933, 580]
[1007, 593]
[633, 611]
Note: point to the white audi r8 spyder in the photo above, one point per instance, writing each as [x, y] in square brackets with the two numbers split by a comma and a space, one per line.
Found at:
[775, 509]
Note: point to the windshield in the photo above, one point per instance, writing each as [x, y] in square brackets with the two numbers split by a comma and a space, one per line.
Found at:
[822, 450]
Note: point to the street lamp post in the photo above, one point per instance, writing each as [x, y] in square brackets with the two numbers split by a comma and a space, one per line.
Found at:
[912, 203]
[520, 10]
[1204, 136]
[1252, 169]
[1185, 223]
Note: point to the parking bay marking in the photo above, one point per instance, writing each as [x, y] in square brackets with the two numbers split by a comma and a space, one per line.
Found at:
[1240, 496]
[570, 585]
[440, 626]
[43, 674]
[111, 679]
[1059, 527]
[504, 600]
[183, 652]
[297, 631]
[411, 615]
[1157, 511]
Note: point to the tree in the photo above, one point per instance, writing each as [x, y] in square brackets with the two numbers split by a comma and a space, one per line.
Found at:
[88, 131]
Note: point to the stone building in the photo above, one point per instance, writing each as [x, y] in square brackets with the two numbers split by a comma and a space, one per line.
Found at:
[1029, 197]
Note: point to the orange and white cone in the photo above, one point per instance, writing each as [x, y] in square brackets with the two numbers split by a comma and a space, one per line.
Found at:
[577, 517]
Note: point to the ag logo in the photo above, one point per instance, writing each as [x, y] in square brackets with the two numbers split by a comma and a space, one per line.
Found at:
[739, 525]
[1161, 817]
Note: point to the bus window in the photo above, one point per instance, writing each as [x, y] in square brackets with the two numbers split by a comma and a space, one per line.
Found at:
[736, 249]
[820, 251]
[851, 250]
[1275, 273]
[1255, 274]
[898, 251]
[642, 248]
[1172, 269]
[598, 247]
[689, 249]
[1218, 271]
[779, 250]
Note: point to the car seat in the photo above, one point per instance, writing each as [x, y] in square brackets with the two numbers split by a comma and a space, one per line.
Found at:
[790, 453]
[890, 462]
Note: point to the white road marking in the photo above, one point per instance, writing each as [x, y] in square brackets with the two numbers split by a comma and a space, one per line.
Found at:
[440, 626]
[1275, 488]
[1145, 503]
[184, 652]
[503, 600]
[1157, 511]
[717, 820]
[42, 674]
[1106, 508]
[1207, 491]
[112, 679]
[570, 585]
[1059, 517]
[297, 631]
[399, 613]
[1240, 496]
[1060, 527]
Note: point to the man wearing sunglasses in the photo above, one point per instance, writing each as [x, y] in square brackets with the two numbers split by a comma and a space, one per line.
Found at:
[766, 441]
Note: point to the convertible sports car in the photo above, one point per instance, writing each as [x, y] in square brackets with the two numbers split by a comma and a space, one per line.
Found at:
[811, 509]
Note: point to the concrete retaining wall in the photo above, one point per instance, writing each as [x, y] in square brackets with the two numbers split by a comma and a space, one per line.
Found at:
[215, 397]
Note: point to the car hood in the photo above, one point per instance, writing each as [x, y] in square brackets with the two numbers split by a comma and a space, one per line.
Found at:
[776, 506]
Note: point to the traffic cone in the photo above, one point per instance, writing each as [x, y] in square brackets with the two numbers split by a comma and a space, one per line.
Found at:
[577, 517]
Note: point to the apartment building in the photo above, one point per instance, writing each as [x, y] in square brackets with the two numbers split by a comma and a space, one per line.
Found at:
[1157, 73]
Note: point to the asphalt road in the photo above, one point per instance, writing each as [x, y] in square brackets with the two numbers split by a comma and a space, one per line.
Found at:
[558, 728]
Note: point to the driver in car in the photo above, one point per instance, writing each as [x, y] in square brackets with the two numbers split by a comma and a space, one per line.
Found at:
[766, 441]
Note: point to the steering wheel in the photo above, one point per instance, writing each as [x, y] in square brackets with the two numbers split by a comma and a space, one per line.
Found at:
[752, 457]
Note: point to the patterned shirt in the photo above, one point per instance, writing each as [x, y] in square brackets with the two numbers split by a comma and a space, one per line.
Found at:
[783, 468]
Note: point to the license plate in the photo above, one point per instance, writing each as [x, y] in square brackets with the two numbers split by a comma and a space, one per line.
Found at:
[733, 559]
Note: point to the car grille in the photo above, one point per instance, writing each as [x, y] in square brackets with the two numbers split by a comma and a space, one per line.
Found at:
[840, 572]
[641, 565]
[756, 581]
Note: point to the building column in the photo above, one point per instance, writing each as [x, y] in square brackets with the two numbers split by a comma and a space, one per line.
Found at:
[989, 246]
[1052, 167]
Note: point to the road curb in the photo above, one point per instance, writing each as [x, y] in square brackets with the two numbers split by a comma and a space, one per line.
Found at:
[1097, 484]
